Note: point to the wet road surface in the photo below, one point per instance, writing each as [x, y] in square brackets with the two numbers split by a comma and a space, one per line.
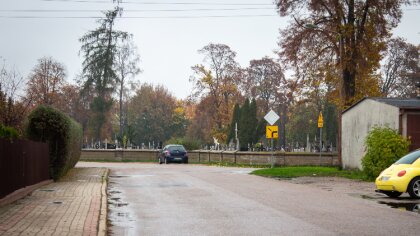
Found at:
[178, 199]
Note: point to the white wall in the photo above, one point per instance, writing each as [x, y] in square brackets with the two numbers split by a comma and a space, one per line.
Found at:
[356, 124]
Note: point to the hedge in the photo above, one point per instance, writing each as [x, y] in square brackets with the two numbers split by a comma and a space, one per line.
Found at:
[384, 146]
[9, 133]
[189, 144]
[63, 135]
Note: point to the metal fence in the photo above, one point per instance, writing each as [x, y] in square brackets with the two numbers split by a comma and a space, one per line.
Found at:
[22, 163]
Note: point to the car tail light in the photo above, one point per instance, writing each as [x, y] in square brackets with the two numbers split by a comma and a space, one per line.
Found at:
[401, 173]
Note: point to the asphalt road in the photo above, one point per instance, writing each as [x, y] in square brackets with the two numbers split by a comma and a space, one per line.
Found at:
[178, 199]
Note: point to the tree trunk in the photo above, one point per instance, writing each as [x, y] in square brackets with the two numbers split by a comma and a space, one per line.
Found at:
[348, 87]
[121, 108]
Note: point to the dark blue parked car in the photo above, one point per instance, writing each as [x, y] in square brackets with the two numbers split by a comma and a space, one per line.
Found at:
[173, 153]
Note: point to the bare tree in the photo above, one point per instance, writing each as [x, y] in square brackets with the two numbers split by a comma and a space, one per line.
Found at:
[219, 80]
[11, 81]
[46, 81]
[13, 108]
[267, 79]
[127, 60]
[399, 70]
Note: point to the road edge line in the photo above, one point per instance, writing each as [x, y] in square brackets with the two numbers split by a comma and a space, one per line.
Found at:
[102, 229]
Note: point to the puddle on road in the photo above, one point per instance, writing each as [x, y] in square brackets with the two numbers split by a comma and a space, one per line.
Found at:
[169, 185]
[405, 206]
[123, 214]
[114, 192]
[366, 197]
[400, 204]
[47, 190]
[128, 176]
[119, 220]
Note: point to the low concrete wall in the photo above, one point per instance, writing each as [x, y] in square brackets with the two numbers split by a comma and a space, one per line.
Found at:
[251, 158]
[118, 155]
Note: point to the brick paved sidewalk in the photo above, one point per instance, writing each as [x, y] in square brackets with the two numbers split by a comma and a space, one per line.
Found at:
[75, 205]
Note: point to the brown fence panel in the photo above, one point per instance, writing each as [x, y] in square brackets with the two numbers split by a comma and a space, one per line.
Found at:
[22, 163]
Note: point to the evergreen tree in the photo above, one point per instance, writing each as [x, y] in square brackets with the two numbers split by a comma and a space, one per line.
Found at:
[249, 129]
[235, 120]
[253, 122]
[99, 48]
[260, 131]
[243, 126]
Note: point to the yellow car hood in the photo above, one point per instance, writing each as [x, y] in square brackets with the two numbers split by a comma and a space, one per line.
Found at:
[394, 169]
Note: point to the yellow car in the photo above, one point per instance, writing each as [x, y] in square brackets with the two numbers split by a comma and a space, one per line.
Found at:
[402, 176]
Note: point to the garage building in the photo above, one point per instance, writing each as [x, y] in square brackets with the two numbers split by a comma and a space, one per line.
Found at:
[400, 114]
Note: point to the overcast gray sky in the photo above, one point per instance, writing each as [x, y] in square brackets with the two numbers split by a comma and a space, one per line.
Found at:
[167, 45]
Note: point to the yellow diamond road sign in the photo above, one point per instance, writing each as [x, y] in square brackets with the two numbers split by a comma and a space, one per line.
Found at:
[320, 120]
[272, 131]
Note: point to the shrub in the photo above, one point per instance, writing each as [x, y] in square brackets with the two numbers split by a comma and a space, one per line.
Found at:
[384, 146]
[8, 132]
[63, 135]
[189, 144]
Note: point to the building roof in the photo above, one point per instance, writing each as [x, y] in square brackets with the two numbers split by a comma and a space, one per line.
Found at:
[405, 103]
[400, 102]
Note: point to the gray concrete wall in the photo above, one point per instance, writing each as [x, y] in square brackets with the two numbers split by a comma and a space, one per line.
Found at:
[356, 124]
[251, 158]
[118, 155]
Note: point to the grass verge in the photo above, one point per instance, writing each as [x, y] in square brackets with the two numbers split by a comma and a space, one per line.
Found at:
[230, 164]
[313, 171]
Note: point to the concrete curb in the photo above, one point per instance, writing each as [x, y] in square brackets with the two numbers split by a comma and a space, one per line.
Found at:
[20, 193]
[102, 228]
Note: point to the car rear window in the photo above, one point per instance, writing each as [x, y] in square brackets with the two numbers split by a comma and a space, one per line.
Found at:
[409, 158]
[176, 148]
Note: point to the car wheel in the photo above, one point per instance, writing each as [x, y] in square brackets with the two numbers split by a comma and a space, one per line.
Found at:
[414, 188]
[393, 194]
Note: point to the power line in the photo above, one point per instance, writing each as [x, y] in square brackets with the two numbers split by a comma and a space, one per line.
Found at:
[158, 10]
[135, 17]
[151, 10]
[165, 3]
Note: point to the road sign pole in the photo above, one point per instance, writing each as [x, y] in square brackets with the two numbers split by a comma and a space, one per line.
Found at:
[320, 146]
[320, 125]
[272, 132]
[272, 152]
